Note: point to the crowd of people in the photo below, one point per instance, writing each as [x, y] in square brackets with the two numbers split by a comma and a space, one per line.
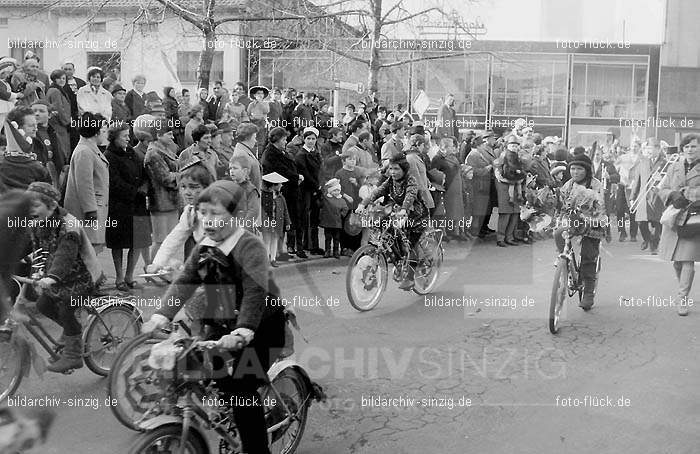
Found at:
[133, 163]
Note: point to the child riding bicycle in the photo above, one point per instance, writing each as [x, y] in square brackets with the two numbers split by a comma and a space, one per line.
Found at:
[71, 269]
[584, 194]
[402, 188]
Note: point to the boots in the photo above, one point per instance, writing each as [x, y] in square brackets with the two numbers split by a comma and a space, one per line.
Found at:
[683, 306]
[588, 294]
[71, 357]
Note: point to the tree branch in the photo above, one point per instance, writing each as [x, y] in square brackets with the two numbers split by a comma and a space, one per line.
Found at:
[431, 57]
[411, 16]
[193, 18]
[292, 17]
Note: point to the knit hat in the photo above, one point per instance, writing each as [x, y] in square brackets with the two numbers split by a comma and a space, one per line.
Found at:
[561, 154]
[157, 107]
[46, 190]
[7, 61]
[332, 184]
[583, 161]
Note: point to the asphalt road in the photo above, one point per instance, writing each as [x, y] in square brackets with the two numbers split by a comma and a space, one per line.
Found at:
[411, 377]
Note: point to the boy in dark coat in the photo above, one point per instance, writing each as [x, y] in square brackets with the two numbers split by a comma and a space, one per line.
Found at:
[335, 206]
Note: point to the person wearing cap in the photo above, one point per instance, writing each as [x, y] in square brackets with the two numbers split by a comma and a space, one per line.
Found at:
[335, 207]
[232, 266]
[71, 269]
[308, 161]
[162, 168]
[583, 182]
[395, 144]
[61, 120]
[94, 98]
[418, 164]
[246, 140]
[484, 195]
[19, 166]
[120, 111]
[8, 99]
[275, 215]
[224, 149]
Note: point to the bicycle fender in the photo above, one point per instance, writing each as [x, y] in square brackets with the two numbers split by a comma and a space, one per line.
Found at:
[162, 420]
[122, 302]
[314, 389]
[26, 351]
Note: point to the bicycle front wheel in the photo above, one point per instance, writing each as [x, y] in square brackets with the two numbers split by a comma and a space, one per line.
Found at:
[428, 269]
[366, 278]
[13, 363]
[559, 292]
[166, 439]
[106, 332]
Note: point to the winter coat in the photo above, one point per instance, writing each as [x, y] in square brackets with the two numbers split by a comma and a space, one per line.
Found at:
[309, 165]
[60, 122]
[677, 179]
[171, 111]
[445, 125]
[274, 213]
[127, 189]
[19, 170]
[87, 188]
[120, 112]
[348, 187]
[478, 158]
[209, 158]
[419, 172]
[333, 210]
[32, 87]
[450, 166]
[255, 173]
[282, 162]
[162, 170]
[97, 102]
[136, 103]
[237, 113]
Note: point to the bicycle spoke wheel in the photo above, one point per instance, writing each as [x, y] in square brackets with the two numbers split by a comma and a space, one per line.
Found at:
[428, 269]
[12, 366]
[366, 278]
[292, 390]
[166, 439]
[559, 291]
[132, 383]
[106, 333]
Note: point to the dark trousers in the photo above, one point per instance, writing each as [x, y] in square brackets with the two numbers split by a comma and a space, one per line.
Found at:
[249, 373]
[621, 209]
[506, 226]
[61, 312]
[646, 234]
[332, 234]
[590, 248]
[309, 221]
[295, 233]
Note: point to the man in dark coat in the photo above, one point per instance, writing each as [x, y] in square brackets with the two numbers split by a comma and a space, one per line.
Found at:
[73, 84]
[481, 160]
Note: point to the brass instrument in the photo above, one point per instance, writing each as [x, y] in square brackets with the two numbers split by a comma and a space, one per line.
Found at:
[654, 181]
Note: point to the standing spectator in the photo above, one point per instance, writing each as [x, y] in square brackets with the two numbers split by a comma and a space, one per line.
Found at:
[275, 216]
[510, 193]
[680, 188]
[120, 111]
[418, 168]
[239, 88]
[217, 102]
[196, 115]
[466, 146]
[324, 120]
[136, 97]
[249, 210]
[349, 117]
[171, 107]
[258, 111]
[19, 166]
[350, 179]
[363, 157]
[372, 103]
[94, 98]
[7, 97]
[447, 162]
[73, 84]
[30, 80]
[275, 116]
[245, 147]
[161, 167]
[355, 128]
[203, 103]
[395, 144]
[202, 149]
[236, 110]
[330, 155]
[183, 109]
[276, 159]
[87, 189]
[304, 115]
[144, 132]
[225, 148]
[446, 126]
[334, 209]
[60, 121]
[127, 189]
[288, 106]
[308, 160]
[46, 146]
[481, 159]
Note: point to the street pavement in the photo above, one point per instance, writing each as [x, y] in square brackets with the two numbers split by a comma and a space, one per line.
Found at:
[486, 377]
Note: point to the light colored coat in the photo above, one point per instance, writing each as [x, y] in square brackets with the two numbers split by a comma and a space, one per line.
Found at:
[418, 170]
[671, 247]
[652, 209]
[87, 188]
[479, 158]
[97, 103]
[255, 174]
